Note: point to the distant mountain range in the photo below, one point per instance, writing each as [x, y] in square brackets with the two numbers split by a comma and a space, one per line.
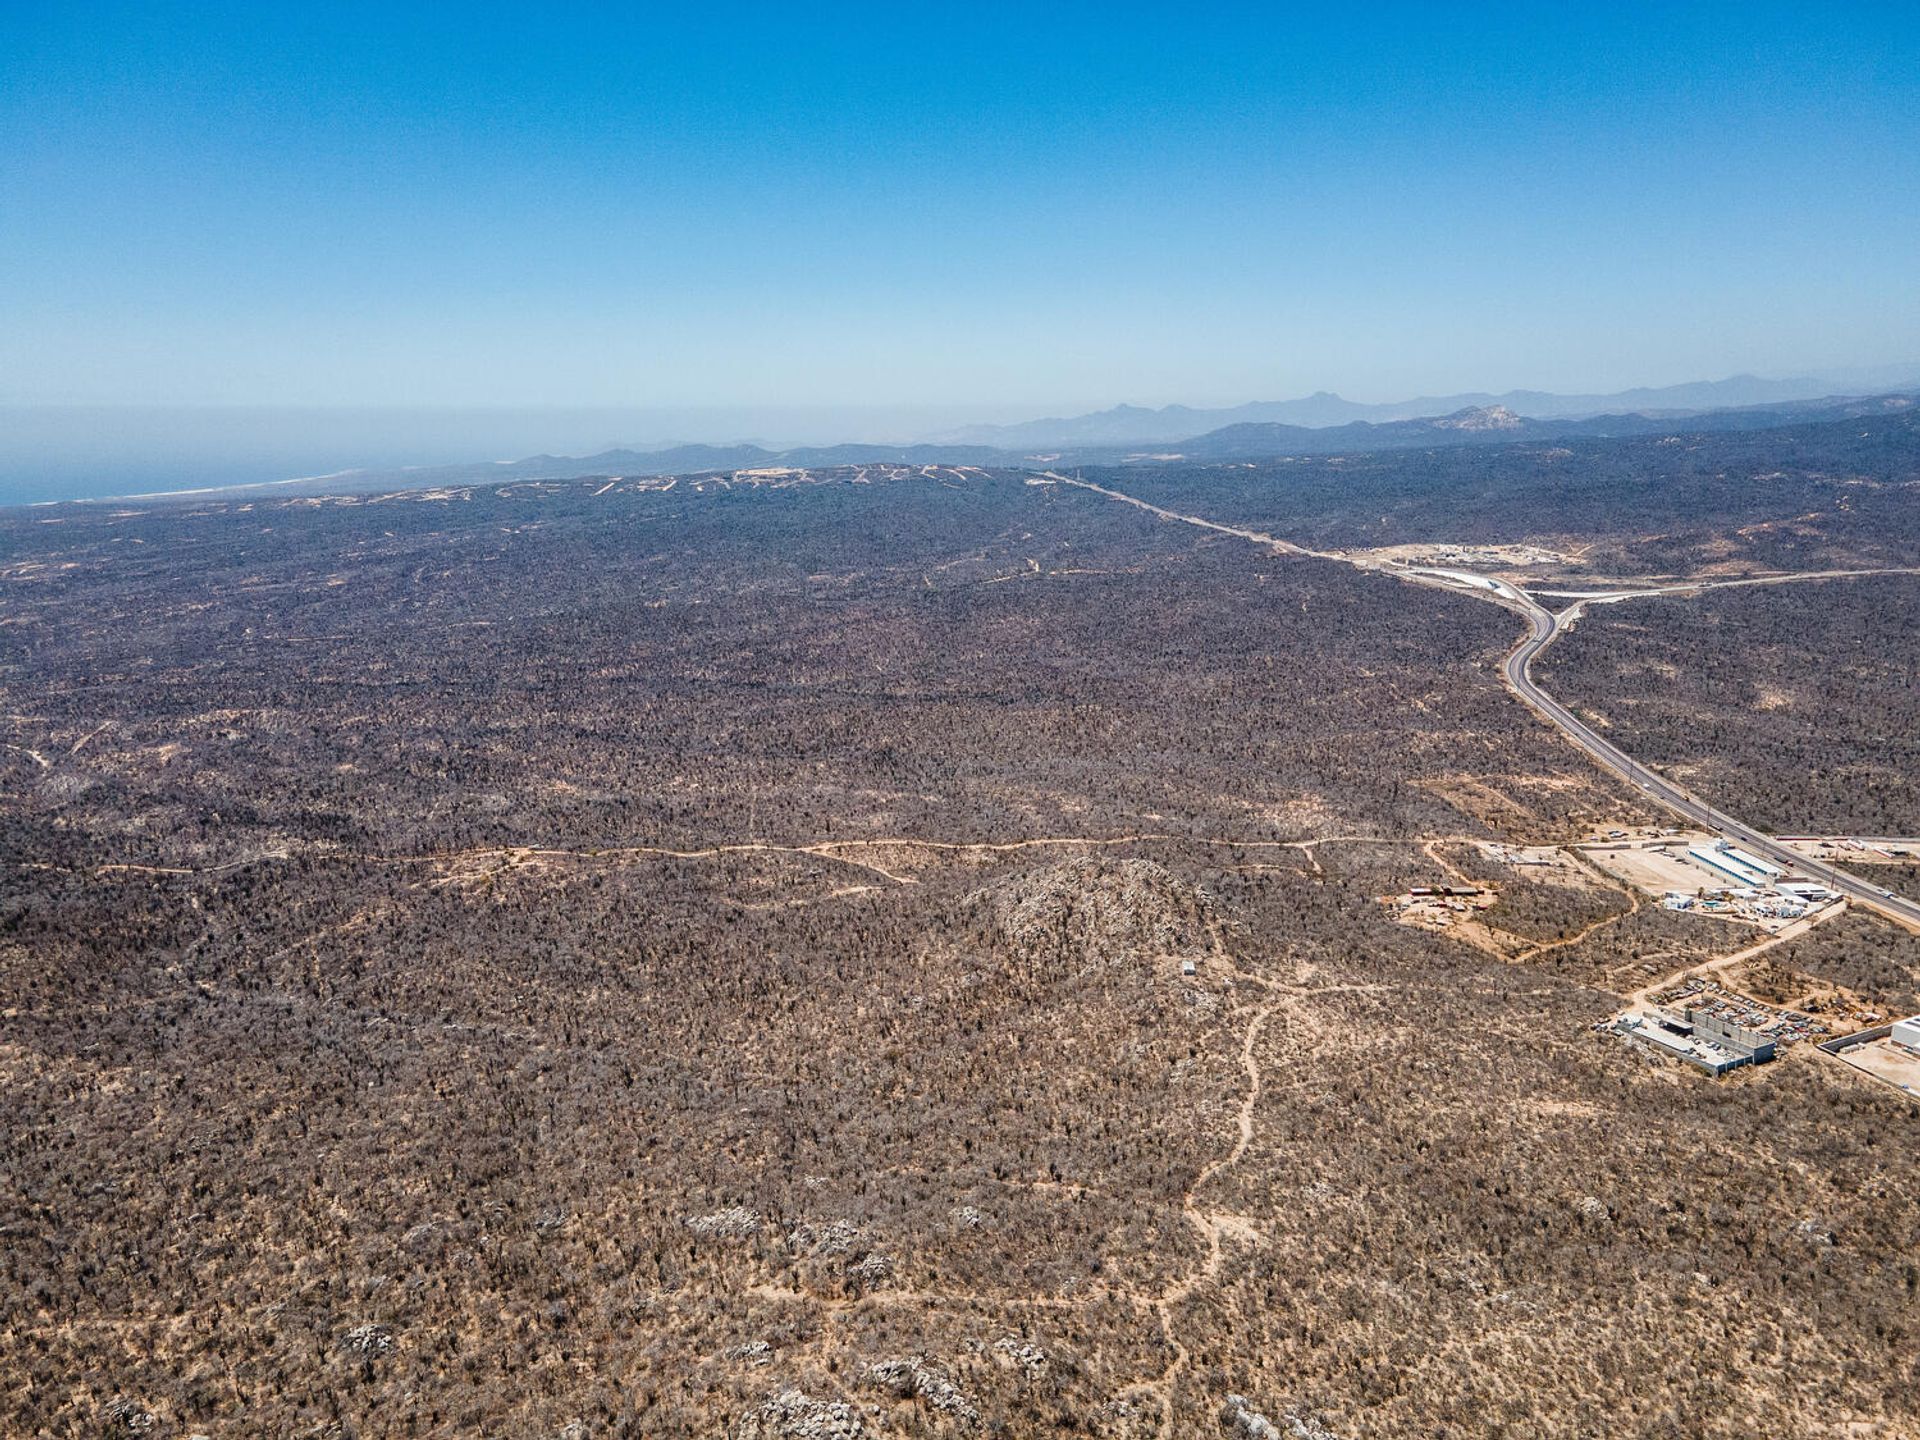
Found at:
[1243, 440]
[1136, 425]
[1494, 424]
[1247, 440]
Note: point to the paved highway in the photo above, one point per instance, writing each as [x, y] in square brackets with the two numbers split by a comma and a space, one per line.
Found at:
[1544, 627]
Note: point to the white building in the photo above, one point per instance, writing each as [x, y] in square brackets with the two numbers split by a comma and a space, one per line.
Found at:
[1718, 856]
[1752, 862]
[1907, 1032]
[1811, 891]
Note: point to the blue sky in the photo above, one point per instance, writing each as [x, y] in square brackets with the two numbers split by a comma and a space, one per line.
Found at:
[971, 205]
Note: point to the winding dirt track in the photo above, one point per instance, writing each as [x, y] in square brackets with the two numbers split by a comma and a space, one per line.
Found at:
[1727, 962]
[1216, 1227]
[819, 849]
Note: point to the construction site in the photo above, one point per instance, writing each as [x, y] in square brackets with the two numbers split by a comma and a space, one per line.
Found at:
[1698, 1036]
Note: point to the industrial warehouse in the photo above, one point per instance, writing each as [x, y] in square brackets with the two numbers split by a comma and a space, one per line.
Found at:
[1704, 875]
[1696, 1036]
[1699, 1018]
[1735, 863]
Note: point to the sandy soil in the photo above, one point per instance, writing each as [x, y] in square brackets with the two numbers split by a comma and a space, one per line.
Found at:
[1887, 1061]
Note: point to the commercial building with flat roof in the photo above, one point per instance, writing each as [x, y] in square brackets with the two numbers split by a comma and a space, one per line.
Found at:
[1757, 1047]
[1752, 862]
[1717, 857]
[1699, 1038]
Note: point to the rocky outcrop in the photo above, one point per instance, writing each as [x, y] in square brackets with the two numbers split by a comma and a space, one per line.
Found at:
[736, 1222]
[1091, 908]
[911, 1377]
[794, 1415]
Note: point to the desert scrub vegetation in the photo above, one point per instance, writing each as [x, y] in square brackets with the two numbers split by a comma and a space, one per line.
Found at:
[710, 962]
[1792, 706]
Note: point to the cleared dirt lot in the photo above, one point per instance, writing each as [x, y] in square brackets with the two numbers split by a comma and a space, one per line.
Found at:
[1856, 850]
[1887, 1061]
[1656, 869]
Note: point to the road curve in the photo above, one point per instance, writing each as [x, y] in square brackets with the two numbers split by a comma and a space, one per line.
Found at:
[1544, 627]
[1694, 587]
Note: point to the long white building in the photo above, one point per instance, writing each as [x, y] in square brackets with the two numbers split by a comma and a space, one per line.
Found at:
[1752, 862]
[1719, 856]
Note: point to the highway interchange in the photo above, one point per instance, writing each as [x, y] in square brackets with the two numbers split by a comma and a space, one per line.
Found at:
[1544, 626]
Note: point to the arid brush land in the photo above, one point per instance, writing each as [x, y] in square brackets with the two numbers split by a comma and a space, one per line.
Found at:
[708, 957]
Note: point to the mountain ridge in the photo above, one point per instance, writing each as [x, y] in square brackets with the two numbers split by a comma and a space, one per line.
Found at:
[1484, 425]
[1136, 424]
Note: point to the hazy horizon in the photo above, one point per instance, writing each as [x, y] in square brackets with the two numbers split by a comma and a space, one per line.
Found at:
[245, 244]
[88, 452]
[365, 206]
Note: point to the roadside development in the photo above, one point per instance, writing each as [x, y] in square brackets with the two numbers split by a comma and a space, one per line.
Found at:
[1545, 627]
[1715, 1030]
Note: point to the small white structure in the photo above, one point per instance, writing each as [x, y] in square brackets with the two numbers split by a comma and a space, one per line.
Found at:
[1907, 1032]
[1811, 891]
[1187, 967]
